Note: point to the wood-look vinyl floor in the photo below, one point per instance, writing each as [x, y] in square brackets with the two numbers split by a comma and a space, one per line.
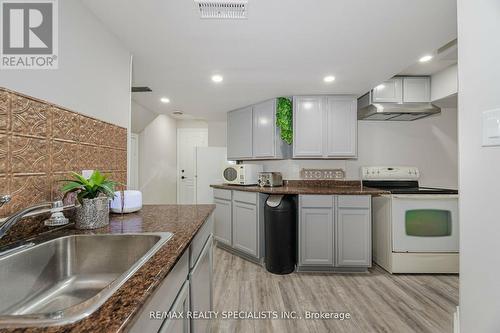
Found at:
[376, 301]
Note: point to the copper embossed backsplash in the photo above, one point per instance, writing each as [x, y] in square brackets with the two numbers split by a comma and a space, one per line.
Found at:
[40, 143]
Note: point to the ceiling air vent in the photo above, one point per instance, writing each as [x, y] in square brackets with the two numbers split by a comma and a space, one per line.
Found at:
[222, 9]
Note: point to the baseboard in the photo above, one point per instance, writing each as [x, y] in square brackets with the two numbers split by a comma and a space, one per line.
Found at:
[456, 321]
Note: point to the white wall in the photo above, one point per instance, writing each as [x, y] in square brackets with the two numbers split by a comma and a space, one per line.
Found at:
[429, 143]
[479, 87]
[158, 161]
[444, 83]
[94, 69]
[141, 117]
[217, 133]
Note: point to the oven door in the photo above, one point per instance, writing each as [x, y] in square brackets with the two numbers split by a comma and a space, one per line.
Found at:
[425, 223]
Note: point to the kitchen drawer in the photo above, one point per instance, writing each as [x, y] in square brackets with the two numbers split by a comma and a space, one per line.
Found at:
[200, 239]
[316, 201]
[222, 194]
[354, 201]
[245, 197]
[163, 297]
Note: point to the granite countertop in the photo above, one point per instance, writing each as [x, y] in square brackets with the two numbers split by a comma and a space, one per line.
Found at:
[118, 311]
[326, 187]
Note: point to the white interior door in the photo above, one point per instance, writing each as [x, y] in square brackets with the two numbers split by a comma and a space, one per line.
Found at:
[187, 140]
[134, 162]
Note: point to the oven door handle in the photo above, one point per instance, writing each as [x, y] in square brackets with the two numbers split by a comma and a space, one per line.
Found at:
[425, 196]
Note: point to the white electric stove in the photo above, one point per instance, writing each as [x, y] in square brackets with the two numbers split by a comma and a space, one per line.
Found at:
[415, 229]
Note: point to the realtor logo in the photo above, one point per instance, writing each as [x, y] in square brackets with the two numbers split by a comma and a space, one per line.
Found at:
[29, 34]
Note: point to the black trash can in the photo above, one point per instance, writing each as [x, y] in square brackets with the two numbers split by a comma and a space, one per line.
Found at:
[280, 219]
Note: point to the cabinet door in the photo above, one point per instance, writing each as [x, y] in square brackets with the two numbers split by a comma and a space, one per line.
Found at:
[342, 122]
[353, 237]
[308, 126]
[222, 221]
[181, 306]
[245, 227]
[416, 89]
[239, 134]
[264, 129]
[316, 237]
[390, 91]
[200, 280]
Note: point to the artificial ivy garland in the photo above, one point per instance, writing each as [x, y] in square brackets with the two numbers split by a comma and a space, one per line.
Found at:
[284, 119]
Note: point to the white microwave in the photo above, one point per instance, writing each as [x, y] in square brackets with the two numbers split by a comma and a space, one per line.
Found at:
[242, 174]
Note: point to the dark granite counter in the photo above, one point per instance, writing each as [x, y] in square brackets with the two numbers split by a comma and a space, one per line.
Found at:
[326, 187]
[117, 313]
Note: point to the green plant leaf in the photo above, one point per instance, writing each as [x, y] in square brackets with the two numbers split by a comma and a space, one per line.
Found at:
[90, 188]
[284, 119]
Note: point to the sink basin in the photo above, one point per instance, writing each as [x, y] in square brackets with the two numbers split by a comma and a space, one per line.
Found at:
[65, 279]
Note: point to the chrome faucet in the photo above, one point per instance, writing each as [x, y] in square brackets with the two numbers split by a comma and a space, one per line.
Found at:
[56, 208]
[4, 199]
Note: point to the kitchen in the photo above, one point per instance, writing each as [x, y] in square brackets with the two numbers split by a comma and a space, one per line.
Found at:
[255, 168]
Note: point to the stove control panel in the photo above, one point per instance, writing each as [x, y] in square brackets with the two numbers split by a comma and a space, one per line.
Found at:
[390, 173]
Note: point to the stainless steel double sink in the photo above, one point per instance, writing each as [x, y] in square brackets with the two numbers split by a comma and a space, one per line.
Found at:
[65, 279]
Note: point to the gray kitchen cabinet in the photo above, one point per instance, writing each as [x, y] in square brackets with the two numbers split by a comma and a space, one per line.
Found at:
[342, 125]
[334, 232]
[180, 306]
[200, 285]
[308, 114]
[223, 221]
[417, 89]
[239, 134]
[325, 127]
[264, 129]
[245, 229]
[239, 220]
[316, 230]
[252, 133]
[390, 91]
[353, 231]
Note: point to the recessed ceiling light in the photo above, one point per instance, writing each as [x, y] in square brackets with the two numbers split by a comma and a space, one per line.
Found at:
[380, 87]
[329, 78]
[217, 78]
[425, 58]
[164, 100]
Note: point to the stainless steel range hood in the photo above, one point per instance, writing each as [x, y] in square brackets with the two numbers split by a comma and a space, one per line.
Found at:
[400, 98]
[395, 111]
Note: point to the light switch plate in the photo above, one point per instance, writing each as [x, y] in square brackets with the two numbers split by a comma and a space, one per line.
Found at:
[491, 128]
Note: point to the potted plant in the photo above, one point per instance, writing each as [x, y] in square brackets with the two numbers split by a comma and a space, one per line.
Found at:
[93, 195]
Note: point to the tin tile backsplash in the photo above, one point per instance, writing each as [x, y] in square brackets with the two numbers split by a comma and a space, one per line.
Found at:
[40, 143]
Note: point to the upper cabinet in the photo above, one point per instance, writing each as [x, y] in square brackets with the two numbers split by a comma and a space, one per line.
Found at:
[239, 134]
[325, 127]
[252, 133]
[416, 89]
[391, 91]
[308, 115]
[403, 89]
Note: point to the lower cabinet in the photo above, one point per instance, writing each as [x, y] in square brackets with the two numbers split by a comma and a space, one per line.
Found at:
[245, 227]
[223, 221]
[188, 287]
[334, 232]
[181, 305]
[239, 219]
[316, 236]
[200, 282]
[353, 237]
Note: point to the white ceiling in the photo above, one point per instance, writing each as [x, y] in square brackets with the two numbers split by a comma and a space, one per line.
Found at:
[283, 48]
[440, 61]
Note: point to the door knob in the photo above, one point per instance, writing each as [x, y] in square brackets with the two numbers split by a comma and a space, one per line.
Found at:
[182, 177]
